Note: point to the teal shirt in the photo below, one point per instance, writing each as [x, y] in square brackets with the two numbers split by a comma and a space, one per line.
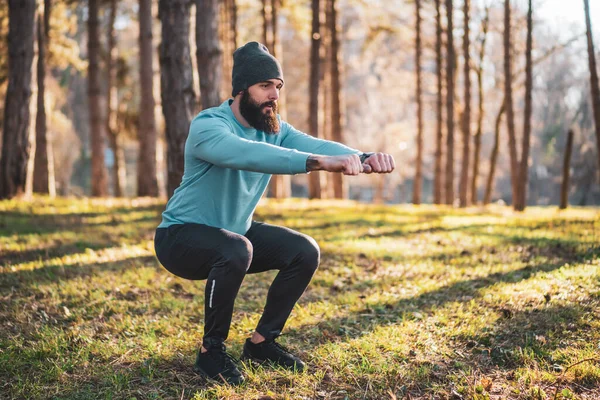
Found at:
[227, 168]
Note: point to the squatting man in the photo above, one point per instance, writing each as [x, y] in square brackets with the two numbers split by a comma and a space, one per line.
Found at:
[207, 230]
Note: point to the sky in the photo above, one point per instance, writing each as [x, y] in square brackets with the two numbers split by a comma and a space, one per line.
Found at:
[567, 12]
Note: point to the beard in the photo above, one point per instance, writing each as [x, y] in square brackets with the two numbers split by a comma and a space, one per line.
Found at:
[259, 120]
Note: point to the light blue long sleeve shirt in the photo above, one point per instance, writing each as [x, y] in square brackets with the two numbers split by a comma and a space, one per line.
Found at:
[227, 168]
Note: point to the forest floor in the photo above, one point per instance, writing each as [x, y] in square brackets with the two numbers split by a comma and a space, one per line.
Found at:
[408, 303]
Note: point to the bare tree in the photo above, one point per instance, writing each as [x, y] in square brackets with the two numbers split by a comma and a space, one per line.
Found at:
[419, 96]
[314, 179]
[524, 164]
[280, 185]
[208, 53]
[481, 113]
[16, 132]
[114, 135]
[463, 185]
[510, 114]
[147, 182]
[437, 175]
[95, 103]
[43, 170]
[450, 66]
[564, 189]
[595, 89]
[177, 86]
[340, 187]
[494, 157]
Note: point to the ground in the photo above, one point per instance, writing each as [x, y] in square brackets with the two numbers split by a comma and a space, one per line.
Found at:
[409, 302]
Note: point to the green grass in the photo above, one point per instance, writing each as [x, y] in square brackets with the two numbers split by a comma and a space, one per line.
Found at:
[409, 302]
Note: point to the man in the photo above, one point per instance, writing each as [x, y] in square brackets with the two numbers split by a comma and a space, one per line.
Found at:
[207, 231]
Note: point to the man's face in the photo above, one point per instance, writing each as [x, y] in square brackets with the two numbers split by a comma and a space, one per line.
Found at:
[258, 105]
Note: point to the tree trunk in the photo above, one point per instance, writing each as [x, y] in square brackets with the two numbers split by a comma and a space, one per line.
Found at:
[225, 28]
[177, 85]
[314, 179]
[450, 65]
[593, 76]
[524, 167]
[416, 199]
[494, 156]
[95, 103]
[208, 52]
[233, 16]
[437, 175]
[16, 133]
[118, 171]
[43, 169]
[564, 189]
[478, 134]
[340, 186]
[510, 115]
[281, 185]
[147, 182]
[463, 187]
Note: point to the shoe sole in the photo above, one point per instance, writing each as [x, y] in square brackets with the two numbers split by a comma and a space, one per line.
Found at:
[222, 379]
[269, 362]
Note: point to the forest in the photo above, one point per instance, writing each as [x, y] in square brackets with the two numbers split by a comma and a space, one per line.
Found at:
[479, 102]
[471, 271]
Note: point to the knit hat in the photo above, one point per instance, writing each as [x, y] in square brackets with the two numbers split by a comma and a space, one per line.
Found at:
[252, 63]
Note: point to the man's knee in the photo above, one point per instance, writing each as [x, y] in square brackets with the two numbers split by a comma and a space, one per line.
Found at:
[309, 253]
[238, 254]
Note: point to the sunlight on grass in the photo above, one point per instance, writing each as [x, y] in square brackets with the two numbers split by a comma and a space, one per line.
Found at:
[426, 302]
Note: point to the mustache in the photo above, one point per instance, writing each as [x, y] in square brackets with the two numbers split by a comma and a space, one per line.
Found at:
[272, 104]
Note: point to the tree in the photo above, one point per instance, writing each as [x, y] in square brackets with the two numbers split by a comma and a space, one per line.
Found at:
[510, 114]
[208, 53]
[280, 185]
[450, 65]
[419, 161]
[340, 187]
[314, 179]
[43, 170]
[95, 103]
[437, 174]
[176, 81]
[564, 189]
[147, 183]
[16, 133]
[595, 89]
[524, 164]
[463, 185]
[481, 113]
[114, 134]
[494, 156]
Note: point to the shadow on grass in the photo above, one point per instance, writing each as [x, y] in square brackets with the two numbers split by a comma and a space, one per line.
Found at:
[23, 224]
[153, 378]
[20, 280]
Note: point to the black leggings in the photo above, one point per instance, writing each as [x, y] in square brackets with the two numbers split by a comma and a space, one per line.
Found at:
[223, 258]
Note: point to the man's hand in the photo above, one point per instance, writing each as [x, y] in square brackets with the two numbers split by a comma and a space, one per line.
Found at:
[380, 163]
[348, 164]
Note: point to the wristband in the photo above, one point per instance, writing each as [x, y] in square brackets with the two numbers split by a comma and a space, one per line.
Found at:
[364, 156]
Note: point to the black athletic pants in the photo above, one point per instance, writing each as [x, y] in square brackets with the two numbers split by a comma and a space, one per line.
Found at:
[223, 258]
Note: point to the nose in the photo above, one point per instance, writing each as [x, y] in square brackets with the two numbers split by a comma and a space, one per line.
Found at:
[274, 94]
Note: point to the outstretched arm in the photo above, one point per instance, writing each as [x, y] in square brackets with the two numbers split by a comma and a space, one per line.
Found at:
[351, 164]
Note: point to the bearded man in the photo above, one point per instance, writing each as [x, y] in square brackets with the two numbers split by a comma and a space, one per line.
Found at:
[207, 230]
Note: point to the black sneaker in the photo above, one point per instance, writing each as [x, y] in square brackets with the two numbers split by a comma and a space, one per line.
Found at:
[218, 365]
[269, 350]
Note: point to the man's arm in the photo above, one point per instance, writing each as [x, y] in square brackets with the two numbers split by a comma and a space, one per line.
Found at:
[213, 141]
[352, 164]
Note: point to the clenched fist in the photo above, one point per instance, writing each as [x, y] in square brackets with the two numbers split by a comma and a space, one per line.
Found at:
[380, 163]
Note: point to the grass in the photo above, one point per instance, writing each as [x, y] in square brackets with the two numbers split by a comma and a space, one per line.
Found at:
[409, 302]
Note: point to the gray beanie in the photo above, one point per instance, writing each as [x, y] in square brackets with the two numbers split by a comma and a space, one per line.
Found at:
[252, 63]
